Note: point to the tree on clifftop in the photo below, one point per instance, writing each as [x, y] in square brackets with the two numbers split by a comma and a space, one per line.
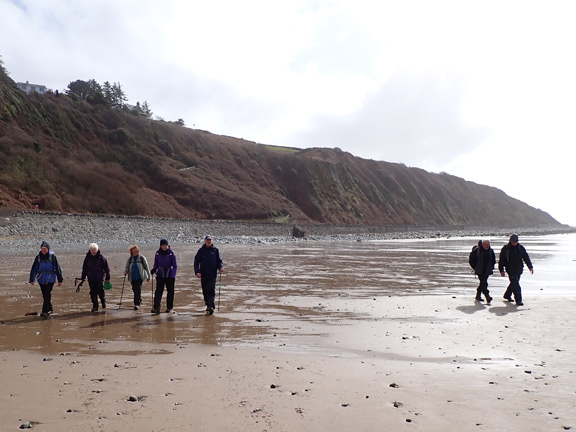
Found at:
[91, 91]
[114, 94]
[84, 89]
[3, 71]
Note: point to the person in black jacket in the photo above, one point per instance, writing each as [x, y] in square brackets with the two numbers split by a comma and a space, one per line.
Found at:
[482, 259]
[207, 264]
[512, 259]
[95, 268]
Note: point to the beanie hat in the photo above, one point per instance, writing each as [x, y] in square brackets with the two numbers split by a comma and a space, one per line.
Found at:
[45, 244]
[513, 238]
[163, 242]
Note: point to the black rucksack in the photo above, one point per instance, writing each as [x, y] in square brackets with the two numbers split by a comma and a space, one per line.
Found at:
[473, 258]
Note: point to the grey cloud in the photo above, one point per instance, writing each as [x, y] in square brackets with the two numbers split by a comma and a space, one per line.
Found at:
[176, 93]
[416, 121]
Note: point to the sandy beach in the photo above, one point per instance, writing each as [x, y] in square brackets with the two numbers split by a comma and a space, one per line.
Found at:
[430, 365]
[301, 343]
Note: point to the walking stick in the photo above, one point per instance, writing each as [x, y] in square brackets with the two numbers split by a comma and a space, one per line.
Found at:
[78, 285]
[122, 293]
[219, 287]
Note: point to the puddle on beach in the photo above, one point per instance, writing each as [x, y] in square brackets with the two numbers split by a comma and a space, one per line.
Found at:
[271, 294]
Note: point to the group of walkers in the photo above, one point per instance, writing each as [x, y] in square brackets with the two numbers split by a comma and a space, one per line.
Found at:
[207, 264]
[511, 261]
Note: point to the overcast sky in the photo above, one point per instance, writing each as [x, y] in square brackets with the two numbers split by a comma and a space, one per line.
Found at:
[482, 90]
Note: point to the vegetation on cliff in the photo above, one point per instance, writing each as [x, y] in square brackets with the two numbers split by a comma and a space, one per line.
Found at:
[66, 154]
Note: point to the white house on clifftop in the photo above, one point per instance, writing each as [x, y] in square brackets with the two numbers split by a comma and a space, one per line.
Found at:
[29, 88]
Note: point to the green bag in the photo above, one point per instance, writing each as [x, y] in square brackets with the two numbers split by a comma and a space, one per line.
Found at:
[107, 285]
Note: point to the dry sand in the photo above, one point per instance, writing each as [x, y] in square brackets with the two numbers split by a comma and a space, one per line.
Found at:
[420, 363]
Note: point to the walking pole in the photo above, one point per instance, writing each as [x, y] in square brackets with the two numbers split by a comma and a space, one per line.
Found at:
[78, 285]
[219, 287]
[122, 293]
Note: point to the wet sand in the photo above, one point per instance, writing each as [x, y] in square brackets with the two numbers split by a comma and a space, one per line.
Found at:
[319, 336]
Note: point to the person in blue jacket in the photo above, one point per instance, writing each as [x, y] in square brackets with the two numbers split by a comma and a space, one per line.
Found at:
[207, 264]
[46, 270]
[165, 267]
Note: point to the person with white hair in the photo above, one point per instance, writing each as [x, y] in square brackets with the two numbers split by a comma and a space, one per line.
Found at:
[482, 259]
[96, 269]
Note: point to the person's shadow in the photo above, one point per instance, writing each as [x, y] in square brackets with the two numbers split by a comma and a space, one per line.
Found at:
[505, 310]
[472, 309]
[33, 317]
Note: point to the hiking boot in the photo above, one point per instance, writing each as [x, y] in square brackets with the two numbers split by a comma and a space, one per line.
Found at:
[508, 298]
[168, 310]
[43, 314]
[103, 304]
[155, 311]
[519, 304]
[209, 311]
[478, 299]
[94, 309]
[489, 300]
[136, 307]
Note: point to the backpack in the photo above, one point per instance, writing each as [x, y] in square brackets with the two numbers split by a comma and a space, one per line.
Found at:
[140, 261]
[52, 257]
[473, 258]
[171, 261]
[52, 261]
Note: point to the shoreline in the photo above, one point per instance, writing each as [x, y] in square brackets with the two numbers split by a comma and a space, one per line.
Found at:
[24, 230]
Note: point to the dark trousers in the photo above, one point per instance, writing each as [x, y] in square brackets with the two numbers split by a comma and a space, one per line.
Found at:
[514, 288]
[483, 287]
[137, 289]
[47, 297]
[160, 284]
[97, 291]
[209, 291]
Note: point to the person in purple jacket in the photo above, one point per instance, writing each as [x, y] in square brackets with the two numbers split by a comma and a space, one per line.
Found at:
[96, 269]
[165, 267]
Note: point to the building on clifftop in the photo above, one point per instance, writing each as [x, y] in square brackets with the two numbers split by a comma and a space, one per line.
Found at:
[29, 88]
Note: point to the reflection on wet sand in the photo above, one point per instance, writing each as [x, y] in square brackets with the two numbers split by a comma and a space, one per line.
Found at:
[270, 294]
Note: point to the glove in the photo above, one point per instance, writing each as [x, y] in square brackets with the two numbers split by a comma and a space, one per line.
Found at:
[79, 285]
[152, 271]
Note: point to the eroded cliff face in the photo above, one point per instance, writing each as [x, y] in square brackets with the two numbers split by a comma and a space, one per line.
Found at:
[68, 155]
